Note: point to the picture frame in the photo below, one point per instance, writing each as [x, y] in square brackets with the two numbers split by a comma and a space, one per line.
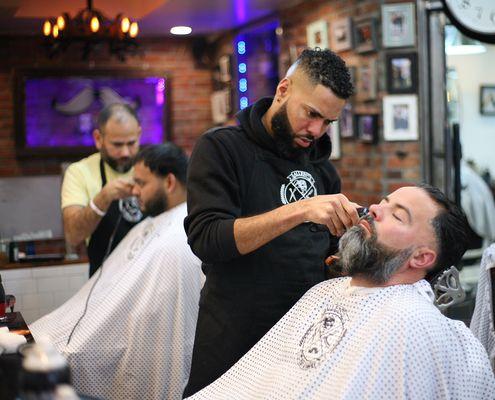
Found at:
[49, 123]
[333, 131]
[367, 128]
[317, 34]
[341, 34]
[398, 25]
[400, 117]
[366, 82]
[487, 99]
[346, 122]
[402, 73]
[364, 35]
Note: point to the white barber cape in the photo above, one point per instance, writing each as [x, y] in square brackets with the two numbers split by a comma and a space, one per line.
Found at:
[344, 342]
[136, 339]
[482, 323]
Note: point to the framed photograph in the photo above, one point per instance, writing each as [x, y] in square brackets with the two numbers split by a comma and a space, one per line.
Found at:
[400, 117]
[367, 127]
[487, 100]
[341, 34]
[366, 86]
[56, 109]
[333, 132]
[346, 122]
[364, 35]
[402, 76]
[317, 34]
[398, 25]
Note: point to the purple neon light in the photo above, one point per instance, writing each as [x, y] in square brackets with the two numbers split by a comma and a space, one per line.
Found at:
[46, 127]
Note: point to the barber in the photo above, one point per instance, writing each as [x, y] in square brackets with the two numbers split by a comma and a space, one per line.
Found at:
[96, 202]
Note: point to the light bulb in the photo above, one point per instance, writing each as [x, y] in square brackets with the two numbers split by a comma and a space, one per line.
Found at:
[125, 24]
[55, 31]
[61, 23]
[94, 24]
[47, 28]
[133, 30]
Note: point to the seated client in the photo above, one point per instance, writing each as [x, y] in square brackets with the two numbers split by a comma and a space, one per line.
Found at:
[134, 340]
[374, 334]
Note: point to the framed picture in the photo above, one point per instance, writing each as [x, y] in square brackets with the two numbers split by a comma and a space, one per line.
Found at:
[346, 122]
[333, 132]
[317, 34]
[398, 25]
[402, 76]
[364, 35]
[367, 127]
[400, 117]
[487, 100]
[56, 109]
[366, 81]
[341, 34]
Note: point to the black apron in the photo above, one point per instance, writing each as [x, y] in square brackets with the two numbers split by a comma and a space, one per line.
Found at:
[112, 224]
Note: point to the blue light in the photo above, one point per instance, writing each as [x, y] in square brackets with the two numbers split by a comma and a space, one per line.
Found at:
[243, 102]
[241, 47]
[242, 68]
[243, 84]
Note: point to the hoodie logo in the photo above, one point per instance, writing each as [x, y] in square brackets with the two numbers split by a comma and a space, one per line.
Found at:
[301, 186]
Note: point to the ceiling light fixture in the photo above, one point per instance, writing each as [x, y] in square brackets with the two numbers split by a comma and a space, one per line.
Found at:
[181, 30]
[91, 28]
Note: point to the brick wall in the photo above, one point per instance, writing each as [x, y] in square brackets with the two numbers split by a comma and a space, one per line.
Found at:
[190, 91]
[368, 171]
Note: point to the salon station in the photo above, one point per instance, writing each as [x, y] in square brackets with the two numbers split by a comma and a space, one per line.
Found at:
[109, 91]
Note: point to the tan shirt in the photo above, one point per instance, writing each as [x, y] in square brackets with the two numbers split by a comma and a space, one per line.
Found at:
[82, 180]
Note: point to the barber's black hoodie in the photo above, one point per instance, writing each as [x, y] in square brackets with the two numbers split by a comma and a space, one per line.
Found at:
[238, 172]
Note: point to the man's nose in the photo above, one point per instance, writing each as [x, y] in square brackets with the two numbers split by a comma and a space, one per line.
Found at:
[316, 128]
[375, 211]
[135, 190]
[125, 151]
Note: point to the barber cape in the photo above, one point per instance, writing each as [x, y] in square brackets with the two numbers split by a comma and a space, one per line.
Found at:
[346, 342]
[482, 324]
[136, 339]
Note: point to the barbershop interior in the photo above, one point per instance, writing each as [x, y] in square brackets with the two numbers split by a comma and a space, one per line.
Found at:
[104, 90]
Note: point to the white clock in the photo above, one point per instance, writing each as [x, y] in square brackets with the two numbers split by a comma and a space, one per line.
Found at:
[474, 18]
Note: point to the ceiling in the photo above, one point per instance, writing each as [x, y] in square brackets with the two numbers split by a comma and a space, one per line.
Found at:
[155, 17]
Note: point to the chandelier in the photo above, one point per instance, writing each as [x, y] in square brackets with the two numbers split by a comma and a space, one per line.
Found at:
[91, 28]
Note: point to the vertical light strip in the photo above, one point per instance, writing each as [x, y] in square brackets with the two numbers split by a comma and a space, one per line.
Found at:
[242, 68]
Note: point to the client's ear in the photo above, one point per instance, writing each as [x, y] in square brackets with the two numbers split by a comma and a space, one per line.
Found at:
[423, 258]
[170, 183]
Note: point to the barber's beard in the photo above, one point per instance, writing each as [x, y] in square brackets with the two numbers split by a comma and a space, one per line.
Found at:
[157, 204]
[121, 165]
[284, 135]
[367, 258]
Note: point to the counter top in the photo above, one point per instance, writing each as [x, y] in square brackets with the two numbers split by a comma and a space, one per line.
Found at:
[35, 264]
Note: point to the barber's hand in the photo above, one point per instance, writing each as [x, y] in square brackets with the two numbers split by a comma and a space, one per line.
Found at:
[114, 190]
[333, 210]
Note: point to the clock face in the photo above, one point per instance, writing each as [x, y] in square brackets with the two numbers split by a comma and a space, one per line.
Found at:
[476, 18]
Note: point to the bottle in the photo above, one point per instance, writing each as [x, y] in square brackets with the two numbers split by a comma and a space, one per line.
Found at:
[2, 300]
[45, 374]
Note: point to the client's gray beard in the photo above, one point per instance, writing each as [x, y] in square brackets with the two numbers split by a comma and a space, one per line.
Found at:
[368, 258]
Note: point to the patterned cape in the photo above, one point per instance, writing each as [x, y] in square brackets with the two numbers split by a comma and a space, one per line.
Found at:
[136, 339]
[482, 321]
[344, 342]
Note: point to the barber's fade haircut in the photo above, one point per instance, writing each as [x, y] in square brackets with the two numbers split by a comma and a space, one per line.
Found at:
[451, 230]
[326, 68]
[112, 109]
[164, 159]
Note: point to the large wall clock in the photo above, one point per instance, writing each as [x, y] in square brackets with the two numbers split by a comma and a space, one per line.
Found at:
[474, 18]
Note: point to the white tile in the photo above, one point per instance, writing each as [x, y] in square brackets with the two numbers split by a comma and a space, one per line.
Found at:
[76, 282]
[22, 273]
[37, 300]
[20, 286]
[52, 284]
[60, 298]
[77, 269]
[31, 315]
[45, 272]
